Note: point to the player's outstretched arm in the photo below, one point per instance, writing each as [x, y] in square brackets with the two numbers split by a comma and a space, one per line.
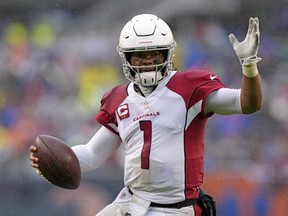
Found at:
[251, 88]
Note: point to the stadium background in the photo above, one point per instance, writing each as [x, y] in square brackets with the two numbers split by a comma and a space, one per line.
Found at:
[57, 58]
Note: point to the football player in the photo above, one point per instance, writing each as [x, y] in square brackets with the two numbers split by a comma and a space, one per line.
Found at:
[160, 118]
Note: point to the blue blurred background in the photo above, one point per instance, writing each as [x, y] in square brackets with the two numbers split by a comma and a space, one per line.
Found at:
[57, 58]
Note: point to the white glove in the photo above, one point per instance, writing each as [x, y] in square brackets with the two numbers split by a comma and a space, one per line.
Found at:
[247, 49]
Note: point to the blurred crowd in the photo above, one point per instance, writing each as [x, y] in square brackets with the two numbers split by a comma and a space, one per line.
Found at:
[51, 82]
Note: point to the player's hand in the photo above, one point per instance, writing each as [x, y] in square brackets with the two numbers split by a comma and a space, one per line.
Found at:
[34, 160]
[248, 48]
[207, 203]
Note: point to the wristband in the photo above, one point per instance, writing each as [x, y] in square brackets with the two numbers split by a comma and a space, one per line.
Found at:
[250, 70]
[250, 60]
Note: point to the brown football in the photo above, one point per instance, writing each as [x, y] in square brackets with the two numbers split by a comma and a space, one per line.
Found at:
[57, 162]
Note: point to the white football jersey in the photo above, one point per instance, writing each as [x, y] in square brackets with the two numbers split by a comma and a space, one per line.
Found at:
[163, 134]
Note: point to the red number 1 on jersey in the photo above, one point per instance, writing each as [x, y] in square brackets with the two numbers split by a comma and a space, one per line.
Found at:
[146, 127]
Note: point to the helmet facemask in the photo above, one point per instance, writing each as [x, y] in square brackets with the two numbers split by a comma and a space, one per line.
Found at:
[143, 75]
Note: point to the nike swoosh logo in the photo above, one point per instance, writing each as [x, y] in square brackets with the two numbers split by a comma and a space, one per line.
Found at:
[213, 77]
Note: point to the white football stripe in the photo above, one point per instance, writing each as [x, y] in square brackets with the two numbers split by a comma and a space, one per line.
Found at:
[192, 112]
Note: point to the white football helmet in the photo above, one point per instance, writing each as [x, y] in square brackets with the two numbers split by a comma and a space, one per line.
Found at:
[146, 32]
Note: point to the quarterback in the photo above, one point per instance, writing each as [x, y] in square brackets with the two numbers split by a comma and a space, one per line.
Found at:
[160, 118]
